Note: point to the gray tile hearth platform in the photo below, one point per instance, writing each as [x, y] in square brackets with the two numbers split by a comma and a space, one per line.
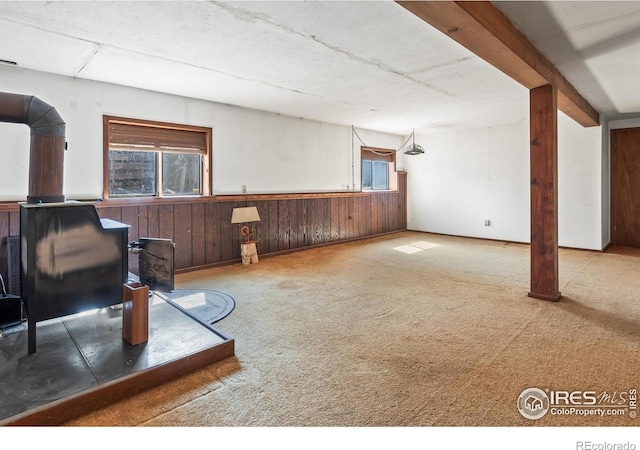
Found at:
[83, 363]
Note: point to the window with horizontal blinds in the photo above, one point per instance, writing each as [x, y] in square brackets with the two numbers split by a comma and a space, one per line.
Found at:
[147, 158]
[137, 137]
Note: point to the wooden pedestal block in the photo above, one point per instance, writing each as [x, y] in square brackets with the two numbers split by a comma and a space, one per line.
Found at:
[249, 252]
[135, 313]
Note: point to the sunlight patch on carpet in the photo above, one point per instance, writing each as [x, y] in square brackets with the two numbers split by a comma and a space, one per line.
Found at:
[424, 245]
[415, 247]
[408, 249]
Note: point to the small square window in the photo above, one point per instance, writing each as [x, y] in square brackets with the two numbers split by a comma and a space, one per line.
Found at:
[378, 169]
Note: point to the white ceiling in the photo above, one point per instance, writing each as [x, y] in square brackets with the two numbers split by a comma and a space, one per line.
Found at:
[370, 64]
[595, 44]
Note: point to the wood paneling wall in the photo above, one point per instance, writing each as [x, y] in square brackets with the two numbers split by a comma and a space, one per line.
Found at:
[204, 236]
[9, 226]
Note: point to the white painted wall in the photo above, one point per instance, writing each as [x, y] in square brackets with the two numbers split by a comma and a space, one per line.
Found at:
[467, 176]
[463, 178]
[580, 185]
[270, 153]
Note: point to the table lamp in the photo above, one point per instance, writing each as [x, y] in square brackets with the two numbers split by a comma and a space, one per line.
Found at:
[245, 215]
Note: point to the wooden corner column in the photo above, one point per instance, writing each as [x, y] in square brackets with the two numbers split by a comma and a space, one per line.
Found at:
[544, 193]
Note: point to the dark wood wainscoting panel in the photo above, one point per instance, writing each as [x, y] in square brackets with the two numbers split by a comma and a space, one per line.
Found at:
[286, 236]
[9, 226]
[130, 216]
[153, 221]
[198, 227]
[269, 239]
[334, 221]
[4, 232]
[212, 249]
[182, 231]
[204, 235]
[111, 213]
[166, 222]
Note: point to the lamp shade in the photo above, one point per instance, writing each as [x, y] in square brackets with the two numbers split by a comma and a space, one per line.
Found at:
[243, 215]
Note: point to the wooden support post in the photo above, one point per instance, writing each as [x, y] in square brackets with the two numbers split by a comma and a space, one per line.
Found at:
[135, 313]
[544, 193]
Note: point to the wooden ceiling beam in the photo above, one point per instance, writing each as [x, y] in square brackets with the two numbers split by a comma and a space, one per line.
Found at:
[484, 30]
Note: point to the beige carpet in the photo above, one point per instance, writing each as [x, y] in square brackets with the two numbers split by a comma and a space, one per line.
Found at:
[409, 329]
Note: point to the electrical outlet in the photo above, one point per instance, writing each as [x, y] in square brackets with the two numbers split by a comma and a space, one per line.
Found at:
[244, 188]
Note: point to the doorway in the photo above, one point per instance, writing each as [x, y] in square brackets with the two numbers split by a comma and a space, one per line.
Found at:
[625, 187]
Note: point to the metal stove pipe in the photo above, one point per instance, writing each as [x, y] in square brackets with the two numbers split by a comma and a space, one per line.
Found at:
[46, 158]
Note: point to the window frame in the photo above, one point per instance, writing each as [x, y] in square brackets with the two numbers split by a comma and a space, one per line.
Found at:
[379, 154]
[205, 169]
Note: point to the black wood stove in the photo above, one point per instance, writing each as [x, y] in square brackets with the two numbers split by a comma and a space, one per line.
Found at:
[72, 261]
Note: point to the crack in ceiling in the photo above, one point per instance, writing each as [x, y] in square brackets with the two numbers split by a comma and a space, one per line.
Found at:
[251, 16]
